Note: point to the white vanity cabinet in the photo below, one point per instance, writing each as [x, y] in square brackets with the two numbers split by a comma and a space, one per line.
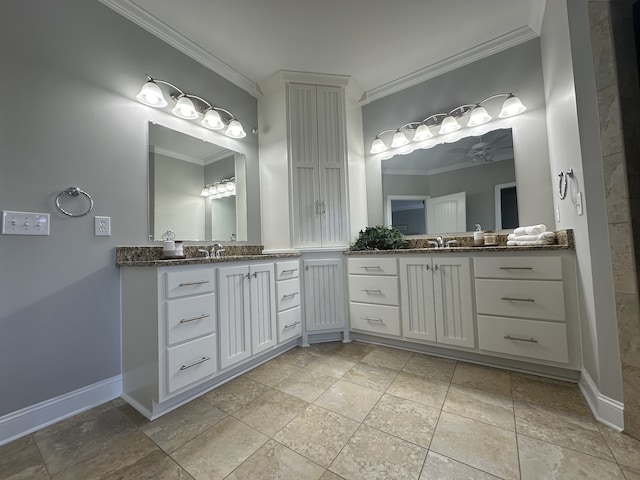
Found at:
[437, 299]
[526, 307]
[247, 307]
[169, 332]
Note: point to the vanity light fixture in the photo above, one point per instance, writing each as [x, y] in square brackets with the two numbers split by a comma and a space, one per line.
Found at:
[213, 117]
[448, 123]
[224, 188]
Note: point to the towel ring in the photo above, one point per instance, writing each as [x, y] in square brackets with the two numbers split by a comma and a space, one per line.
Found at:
[74, 192]
[562, 183]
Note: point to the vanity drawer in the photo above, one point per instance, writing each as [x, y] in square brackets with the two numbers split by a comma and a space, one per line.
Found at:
[289, 325]
[288, 294]
[189, 318]
[527, 268]
[375, 318]
[526, 338]
[286, 270]
[192, 281]
[367, 289]
[523, 298]
[373, 265]
[190, 362]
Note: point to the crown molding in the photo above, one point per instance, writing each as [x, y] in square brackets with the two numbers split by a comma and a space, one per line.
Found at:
[144, 19]
[473, 54]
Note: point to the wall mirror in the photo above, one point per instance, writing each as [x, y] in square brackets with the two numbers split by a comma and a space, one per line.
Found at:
[451, 187]
[180, 166]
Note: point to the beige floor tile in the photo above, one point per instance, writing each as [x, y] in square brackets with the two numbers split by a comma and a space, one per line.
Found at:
[630, 473]
[21, 459]
[328, 475]
[271, 411]
[276, 462]
[348, 399]
[273, 372]
[132, 414]
[301, 357]
[306, 385]
[372, 454]
[176, 428]
[439, 467]
[405, 419]
[324, 348]
[435, 368]
[235, 394]
[112, 456]
[625, 449]
[387, 357]
[318, 434]
[560, 395]
[80, 437]
[355, 351]
[377, 378]
[478, 405]
[155, 466]
[419, 389]
[479, 445]
[542, 460]
[492, 380]
[332, 365]
[219, 450]
[561, 428]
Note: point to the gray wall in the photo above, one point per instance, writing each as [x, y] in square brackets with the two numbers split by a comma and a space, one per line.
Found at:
[70, 73]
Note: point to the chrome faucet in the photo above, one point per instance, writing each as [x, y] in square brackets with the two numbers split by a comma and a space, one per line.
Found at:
[451, 242]
[216, 250]
[440, 242]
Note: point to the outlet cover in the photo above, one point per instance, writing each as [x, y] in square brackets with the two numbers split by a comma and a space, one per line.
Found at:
[25, 223]
[102, 226]
[579, 208]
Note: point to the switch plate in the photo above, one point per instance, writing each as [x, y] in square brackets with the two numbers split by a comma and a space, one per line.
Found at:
[557, 213]
[25, 223]
[579, 203]
[102, 226]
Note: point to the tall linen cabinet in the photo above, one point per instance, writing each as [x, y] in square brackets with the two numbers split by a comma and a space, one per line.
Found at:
[312, 181]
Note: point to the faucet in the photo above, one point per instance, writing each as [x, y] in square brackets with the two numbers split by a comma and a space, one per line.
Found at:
[451, 242]
[206, 252]
[216, 250]
[440, 242]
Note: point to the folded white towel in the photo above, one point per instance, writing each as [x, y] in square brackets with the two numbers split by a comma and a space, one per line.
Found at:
[530, 230]
[546, 236]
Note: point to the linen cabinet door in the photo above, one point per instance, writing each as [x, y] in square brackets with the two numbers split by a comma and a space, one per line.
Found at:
[452, 295]
[234, 318]
[263, 308]
[416, 287]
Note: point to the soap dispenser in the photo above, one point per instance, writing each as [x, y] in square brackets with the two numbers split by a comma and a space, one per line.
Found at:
[478, 236]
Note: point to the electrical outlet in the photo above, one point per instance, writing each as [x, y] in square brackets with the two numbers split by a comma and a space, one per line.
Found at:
[103, 226]
[579, 203]
[25, 223]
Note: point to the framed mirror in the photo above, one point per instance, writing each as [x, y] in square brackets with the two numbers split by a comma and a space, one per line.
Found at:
[180, 167]
[451, 187]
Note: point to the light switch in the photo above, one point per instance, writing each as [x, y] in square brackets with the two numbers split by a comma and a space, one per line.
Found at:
[103, 226]
[25, 223]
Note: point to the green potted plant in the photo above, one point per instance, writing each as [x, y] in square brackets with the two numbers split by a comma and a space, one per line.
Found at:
[379, 238]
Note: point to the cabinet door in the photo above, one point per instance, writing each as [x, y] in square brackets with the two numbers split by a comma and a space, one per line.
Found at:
[416, 286]
[331, 163]
[452, 294]
[303, 151]
[263, 308]
[324, 302]
[235, 328]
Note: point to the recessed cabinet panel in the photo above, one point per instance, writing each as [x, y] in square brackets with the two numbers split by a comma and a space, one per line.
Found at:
[190, 362]
[287, 270]
[373, 289]
[188, 318]
[180, 283]
[235, 327]
[289, 324]
[373, 265]
[525, 268]
[263, 308]
[418, 308]
[375, 318]
[288, 295]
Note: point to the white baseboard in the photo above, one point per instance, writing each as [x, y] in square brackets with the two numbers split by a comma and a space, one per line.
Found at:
[30, 419]
[604, 409]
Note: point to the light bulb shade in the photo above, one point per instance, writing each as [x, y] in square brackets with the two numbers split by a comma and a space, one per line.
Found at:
[212, 120]
[449, 124]
[185, 109]
[151, 95]
[221, 188]
[423, 132]
[205, 192]
[378, 146]
[399, 139]
[479, 116]
[512, 106]
[213, 189]
[230, 186]
[235, 130]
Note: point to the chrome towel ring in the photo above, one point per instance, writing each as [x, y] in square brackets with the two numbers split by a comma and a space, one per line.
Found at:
[74, 192]
[562, 183]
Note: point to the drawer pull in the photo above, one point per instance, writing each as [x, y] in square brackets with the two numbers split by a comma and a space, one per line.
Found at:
[515, 268]
[372, 267]
[291, 325]
[372, 290]
[190, 284]
[373, 319]
[291, 270]
[528, 340]
[515, 299]
[192, 319]
[289, 295]
[197, 362]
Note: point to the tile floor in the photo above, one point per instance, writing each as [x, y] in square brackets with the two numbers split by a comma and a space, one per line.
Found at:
[350, 411]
